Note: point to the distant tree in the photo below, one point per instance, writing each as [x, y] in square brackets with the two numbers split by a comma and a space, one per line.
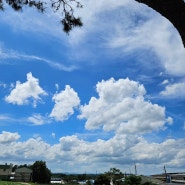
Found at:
[20, 166]
[24, 165]
[114, 174]
[41, 174]
[82, 177]
[133, 180]
[14, 168]
[105, 178]
[102, 179]
[88, 182]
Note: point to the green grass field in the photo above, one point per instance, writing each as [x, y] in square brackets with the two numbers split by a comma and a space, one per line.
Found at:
[19, 183]
[10, 183]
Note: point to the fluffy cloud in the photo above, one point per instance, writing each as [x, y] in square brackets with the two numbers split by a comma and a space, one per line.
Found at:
[120, 151]
[31, 149]
[165, 82]
[174, 90]
[23, 93]
[8, 137]
[121, 107]
[65, 102]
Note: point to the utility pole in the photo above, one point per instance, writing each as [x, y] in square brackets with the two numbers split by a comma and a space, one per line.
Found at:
[165, 173]
[135, 169]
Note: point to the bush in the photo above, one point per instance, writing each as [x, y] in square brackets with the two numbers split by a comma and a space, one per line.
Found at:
[133, 180]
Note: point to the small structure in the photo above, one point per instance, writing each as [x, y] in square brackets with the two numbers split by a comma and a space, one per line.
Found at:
[57, 181]
[5, 171]
[171, 177]
[23, 175]
[177, 178]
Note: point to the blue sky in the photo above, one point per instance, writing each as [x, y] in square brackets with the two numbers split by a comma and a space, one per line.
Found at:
[109, 94]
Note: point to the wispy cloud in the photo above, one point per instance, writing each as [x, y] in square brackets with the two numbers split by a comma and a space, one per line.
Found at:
[4, 117]
[56, 65]
[175, 90]
[133, 30]
[11, 54]
[38, 119]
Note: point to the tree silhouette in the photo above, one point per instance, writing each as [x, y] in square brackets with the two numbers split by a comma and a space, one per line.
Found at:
[41, 173]
[65, 7]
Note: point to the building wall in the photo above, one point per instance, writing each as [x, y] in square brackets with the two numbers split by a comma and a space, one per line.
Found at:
[178, 177]
[23, 175]
[5, 171]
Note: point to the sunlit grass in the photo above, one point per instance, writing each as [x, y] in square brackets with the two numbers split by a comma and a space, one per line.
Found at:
[17, 183]
[10, 183]
[21, 183]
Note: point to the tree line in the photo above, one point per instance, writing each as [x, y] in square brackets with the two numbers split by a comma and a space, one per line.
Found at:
[114, 175]
[41, 174]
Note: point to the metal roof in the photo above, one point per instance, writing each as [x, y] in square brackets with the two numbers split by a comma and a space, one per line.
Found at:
[23, 170]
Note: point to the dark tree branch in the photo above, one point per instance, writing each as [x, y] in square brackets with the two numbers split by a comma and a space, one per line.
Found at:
[69, 21]
[17, 5]
[173, 10]
[1, 5]
[64, 7]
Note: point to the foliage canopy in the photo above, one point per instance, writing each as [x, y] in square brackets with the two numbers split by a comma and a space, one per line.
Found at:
[41, 173]
[64, 7]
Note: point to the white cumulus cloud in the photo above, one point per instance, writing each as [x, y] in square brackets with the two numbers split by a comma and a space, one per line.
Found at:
[8, 137]
[120, 151]
[23, 93]
[65, 102]
[121, 107]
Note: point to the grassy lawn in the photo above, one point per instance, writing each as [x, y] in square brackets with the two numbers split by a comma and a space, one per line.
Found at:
[14, 183]
[20, 183]
[17, 183]
[9, 183]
